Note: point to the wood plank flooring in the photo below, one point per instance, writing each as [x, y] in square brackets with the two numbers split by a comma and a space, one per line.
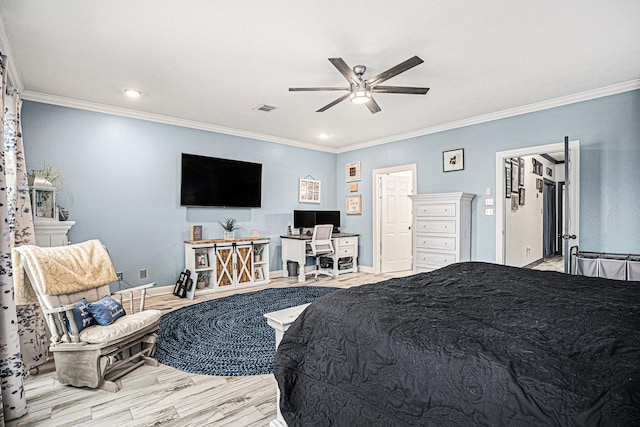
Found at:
[164, 396]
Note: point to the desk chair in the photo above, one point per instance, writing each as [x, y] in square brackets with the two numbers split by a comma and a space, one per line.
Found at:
[320, 246]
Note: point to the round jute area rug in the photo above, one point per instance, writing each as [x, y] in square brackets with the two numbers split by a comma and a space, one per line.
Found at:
[228, 336]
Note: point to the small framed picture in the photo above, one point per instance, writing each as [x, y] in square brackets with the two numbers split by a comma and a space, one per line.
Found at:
[202, 259]
[354, 205]
[507, 176]
[309, 191]
[515, 175]
[521, 170]
[353, 171]
[258, 274]
[453, 160]
[549, 171]
[196, 232]
[521, 197]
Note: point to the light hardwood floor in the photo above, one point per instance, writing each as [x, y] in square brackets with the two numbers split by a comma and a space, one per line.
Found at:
[164, 396]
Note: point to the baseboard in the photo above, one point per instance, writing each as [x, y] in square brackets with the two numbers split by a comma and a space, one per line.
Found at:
[365, 269]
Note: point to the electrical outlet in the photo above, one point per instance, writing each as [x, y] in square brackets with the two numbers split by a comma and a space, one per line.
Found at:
[119, 275]
[143, 273]
[488, 202]
[488, 212]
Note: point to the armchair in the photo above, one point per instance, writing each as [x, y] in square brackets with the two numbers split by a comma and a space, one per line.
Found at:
[93, 356]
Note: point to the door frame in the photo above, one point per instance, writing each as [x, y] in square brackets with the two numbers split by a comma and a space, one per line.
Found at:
[412, 168]
[573, 179]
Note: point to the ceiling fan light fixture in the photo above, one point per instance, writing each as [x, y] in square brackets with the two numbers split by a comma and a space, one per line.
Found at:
[360, 96]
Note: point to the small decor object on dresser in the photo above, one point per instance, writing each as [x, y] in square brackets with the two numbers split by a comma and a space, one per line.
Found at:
[196, 232]
[453, 160]
[229, 225]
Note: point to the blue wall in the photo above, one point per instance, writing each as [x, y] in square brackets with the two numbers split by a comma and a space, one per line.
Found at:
[123, 175]
[609, 133]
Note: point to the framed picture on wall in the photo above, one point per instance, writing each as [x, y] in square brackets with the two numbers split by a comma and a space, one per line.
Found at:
[515, 175]
[309, 191]
[521, 169]
[354, 205]
[521, 197]
[453, 160]
[507, 177]
[353, 171]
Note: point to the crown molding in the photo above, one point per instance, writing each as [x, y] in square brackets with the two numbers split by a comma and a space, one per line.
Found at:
[538, 106]
[159, 118]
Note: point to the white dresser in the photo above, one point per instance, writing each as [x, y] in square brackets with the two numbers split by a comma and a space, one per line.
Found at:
[441, 230]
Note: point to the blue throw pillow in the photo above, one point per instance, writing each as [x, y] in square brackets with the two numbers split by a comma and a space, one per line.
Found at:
[106, 311]
[81, 316]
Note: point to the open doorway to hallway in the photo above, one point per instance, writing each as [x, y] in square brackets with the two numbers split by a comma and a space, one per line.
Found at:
[529, 206]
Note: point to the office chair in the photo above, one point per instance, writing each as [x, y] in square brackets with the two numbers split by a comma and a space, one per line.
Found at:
[321, 246]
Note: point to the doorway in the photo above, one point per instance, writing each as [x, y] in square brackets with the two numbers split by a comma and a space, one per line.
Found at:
[574, 190]
[392, 218]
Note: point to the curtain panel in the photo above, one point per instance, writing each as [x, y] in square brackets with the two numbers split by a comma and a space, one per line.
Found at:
[16, 224]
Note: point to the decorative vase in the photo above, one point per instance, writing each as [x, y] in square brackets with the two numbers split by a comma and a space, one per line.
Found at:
[228, 235]
[257, 258]
[200, 284]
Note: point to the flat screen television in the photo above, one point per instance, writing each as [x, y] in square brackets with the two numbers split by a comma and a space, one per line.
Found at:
[211, 181]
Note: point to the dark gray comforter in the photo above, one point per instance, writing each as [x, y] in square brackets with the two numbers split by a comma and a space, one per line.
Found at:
[469, 344]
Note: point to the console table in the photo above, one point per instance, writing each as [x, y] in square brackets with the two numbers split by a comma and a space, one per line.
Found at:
[345, 253]
[228, 264]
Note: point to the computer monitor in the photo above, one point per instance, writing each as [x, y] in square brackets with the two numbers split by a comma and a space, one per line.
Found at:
[329, 217]
[304, 219]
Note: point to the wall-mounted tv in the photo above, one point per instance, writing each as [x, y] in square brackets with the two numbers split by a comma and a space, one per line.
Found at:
[211, 181]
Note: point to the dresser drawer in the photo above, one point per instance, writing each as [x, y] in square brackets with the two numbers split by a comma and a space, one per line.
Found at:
[430, 242]
[345, 241]
[445, 209]
[434, 259]
[430, 226]
[345, 251]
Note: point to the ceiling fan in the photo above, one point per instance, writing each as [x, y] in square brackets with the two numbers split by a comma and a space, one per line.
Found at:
[360, 91]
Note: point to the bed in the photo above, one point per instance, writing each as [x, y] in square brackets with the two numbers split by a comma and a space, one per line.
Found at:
[468, 344]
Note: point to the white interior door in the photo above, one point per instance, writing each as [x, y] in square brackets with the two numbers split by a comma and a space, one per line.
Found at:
[395, 222]
[570, 231]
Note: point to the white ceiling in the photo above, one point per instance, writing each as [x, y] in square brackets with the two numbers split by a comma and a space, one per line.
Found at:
[208, 63]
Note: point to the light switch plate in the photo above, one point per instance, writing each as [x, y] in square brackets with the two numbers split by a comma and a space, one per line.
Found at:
[488, 212]
[488, 202]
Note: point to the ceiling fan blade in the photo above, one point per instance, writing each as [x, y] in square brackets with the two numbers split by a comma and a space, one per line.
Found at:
[314, 89]
[373, 106]
[345, 70]
[401, 89]
[394, 71]
[326, 107]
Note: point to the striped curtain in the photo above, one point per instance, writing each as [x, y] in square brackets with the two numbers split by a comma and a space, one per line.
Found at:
[16, 228]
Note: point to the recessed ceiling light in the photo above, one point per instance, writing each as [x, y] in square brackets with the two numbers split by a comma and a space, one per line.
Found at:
[323, 135]
[133, 93]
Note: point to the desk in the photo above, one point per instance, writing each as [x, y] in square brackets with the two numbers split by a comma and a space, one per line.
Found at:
[345, 245]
